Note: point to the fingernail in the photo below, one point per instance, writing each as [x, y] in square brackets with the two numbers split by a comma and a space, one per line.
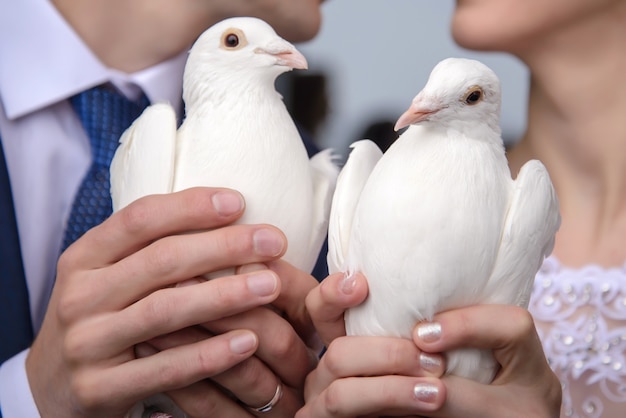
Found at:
[227, 203]
[243, 342]
[430, 332]
[262, 283]
[431, 363]
[348, 283]
[425, 392]
[268, 243]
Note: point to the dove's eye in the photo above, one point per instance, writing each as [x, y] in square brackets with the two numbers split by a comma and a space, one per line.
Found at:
[473, 96]
[233, 39]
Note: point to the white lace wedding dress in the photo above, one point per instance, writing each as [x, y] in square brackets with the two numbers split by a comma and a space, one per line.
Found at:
[581, 319]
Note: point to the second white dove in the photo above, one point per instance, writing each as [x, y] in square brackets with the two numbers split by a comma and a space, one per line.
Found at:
[437, 222]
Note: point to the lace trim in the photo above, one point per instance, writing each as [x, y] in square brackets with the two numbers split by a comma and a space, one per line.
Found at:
[581, 320]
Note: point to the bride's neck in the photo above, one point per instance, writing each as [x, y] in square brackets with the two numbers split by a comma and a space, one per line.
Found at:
[577, 127]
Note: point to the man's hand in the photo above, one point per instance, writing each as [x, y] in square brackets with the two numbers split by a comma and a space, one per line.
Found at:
[116, 288]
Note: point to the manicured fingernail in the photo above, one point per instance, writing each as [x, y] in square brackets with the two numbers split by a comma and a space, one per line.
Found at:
[348, 283]
[268, 243]
[227, 203]
[425, 392]
[243, 342]
[262, 283]
[430, 332]
[431, 363]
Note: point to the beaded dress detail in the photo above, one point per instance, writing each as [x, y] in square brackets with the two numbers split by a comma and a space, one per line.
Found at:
[581, 320]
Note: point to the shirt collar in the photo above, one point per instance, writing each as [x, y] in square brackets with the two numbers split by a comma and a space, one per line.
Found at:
[162, 82]
[50, 63]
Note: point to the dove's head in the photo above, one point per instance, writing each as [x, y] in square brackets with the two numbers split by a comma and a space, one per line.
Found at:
[240, 51]
[459, 91]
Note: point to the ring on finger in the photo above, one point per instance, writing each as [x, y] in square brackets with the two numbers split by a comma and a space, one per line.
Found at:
[272, 403]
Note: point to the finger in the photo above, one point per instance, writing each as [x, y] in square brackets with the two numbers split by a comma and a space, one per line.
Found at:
[250, 381]
[205, 400]
[280, 347]
[177, 258]
[295, 286]
[327, 303]
[184, 336]
[153, 217]
[383, 395]
[513, 337]
[164, 371]
[169, 310]
[524, 377]
[467, 398]
[255, 385]
[201, 399]
[384, 356]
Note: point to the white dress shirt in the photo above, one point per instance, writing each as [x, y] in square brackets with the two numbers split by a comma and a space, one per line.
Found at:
[42, 63]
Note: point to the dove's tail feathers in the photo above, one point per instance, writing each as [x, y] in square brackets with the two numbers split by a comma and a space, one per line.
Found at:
[328, 159]
[472, 363]
[143, 163]
[324, 172]
[352, 178]
[528, 236]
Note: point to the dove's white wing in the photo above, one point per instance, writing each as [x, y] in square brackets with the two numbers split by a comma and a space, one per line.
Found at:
[144, 161]
[527, 238]
[352, 178]
[324, 174]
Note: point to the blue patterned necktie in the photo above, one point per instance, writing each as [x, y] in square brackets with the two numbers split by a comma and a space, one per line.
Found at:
[105, 115]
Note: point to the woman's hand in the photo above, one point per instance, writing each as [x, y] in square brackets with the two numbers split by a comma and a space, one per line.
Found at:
[384, 376]
[360, 376]
[525, 386]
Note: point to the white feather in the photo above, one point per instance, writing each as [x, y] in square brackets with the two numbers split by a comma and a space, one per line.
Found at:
[364, 156]
[144, 161]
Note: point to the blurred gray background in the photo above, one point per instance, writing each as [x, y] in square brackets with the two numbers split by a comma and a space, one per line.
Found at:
[374, 56]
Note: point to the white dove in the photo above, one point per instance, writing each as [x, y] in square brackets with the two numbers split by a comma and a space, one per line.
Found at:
[437, 222]
[236, 133]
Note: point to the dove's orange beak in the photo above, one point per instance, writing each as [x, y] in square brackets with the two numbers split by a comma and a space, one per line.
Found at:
[417, 112]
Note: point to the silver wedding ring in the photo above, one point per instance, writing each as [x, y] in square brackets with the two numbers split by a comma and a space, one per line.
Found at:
[272, 403]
